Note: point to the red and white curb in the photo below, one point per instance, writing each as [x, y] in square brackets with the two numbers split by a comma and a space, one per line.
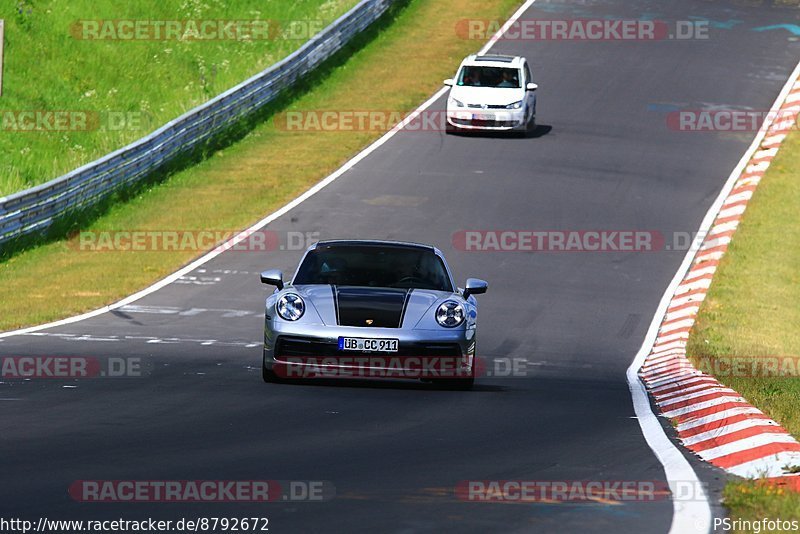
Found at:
[712, 420]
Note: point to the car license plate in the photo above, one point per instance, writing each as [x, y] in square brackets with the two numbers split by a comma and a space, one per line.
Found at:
[368, 344]
[483, 118]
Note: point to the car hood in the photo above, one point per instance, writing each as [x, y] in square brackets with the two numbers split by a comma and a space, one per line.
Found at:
[376, 307]
[494, 96]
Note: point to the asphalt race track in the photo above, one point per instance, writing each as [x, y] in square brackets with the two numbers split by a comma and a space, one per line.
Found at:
[603, 158]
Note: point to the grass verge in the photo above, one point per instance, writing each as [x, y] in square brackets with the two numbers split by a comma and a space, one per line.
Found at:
[246, 180]
[752, 313]
[751, 503]
[109, 89]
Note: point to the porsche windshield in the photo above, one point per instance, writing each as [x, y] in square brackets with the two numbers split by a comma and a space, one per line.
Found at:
[374, 266]
[480, 76]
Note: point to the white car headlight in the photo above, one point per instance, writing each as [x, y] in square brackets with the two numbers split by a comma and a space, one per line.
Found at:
[456, 103]
[515, 105]
[450, 314]
[291, 307]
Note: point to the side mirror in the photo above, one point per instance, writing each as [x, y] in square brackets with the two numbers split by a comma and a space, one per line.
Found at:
[475, 286]
[272, 277]
[449, 82]
[531, 87]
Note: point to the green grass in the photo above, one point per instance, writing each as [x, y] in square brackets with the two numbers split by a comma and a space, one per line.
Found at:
[127, 88]
[753, 501]
[245, 181]
[752, 311]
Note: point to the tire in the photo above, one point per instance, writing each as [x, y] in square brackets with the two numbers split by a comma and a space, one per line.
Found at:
[459, 384]
[530, 126]
[268, 375]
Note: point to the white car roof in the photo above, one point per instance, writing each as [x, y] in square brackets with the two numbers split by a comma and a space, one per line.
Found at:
[494, 60]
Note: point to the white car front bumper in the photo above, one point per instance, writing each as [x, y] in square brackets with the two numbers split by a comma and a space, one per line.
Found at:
[487, 119]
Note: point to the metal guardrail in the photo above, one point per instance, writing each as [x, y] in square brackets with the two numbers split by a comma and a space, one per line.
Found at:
[35, 209]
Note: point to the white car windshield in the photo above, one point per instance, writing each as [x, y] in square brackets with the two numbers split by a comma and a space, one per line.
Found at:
[480, 76]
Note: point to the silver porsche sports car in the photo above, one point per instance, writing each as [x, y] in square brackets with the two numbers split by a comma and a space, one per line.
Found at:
[371, 309]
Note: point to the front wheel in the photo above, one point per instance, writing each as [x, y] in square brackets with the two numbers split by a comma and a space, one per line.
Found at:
[460, 384]
[268, 375]
[530, 126]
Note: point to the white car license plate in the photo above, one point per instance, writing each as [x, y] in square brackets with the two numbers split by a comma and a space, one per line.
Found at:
[482, 117]
[368, 344]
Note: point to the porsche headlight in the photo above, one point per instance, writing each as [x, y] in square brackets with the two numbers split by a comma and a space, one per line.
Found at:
[291, 307]
[450, 314]
[457, 103]
[515, 105]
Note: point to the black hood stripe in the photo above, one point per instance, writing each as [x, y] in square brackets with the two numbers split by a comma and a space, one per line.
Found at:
[335, 302]
[377, 307]
[405, 307]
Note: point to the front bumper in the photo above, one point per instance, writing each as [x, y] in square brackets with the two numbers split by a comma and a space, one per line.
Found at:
[487, 119]
[312, 352]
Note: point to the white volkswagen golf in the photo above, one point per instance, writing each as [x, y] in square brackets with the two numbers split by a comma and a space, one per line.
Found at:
[492, 92]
